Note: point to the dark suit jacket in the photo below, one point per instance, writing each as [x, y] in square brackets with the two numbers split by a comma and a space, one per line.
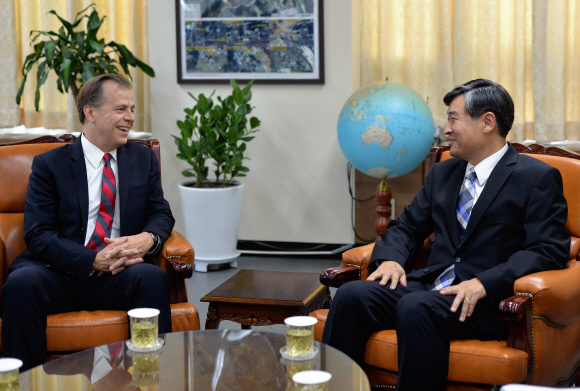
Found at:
[517, 227]
[56, 211]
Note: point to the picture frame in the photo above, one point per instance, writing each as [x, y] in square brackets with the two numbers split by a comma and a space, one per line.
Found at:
[268, 41]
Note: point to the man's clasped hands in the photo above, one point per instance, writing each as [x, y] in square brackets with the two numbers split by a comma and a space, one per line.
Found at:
[122, 252]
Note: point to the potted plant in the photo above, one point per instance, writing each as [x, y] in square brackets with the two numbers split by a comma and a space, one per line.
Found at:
[215, 134]
[76, 56]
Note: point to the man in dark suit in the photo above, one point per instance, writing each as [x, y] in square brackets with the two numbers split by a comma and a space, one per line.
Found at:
[94, 212]
[496, 216]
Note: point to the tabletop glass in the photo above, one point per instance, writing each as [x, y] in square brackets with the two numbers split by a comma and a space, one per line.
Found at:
[216, 360]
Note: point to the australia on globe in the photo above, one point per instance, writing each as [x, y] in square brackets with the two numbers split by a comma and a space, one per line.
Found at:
[385, 129]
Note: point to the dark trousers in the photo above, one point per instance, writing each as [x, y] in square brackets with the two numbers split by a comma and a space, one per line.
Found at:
[422, 319]
[31, 292]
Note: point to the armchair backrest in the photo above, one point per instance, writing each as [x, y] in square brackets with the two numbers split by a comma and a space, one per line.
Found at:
[567, 162]
[16, 166]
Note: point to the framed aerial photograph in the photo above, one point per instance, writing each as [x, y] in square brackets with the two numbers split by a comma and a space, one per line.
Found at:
[268, 41]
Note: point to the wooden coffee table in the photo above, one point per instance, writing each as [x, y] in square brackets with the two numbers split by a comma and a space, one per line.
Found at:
[264, 298]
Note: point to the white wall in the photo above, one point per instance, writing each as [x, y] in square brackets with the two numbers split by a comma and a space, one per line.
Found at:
[297, 189]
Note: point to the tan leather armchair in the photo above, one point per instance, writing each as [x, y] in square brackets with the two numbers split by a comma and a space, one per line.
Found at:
[74, 331]
[543, 346]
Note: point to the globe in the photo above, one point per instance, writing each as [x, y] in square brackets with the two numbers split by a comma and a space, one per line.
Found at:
[385, 129]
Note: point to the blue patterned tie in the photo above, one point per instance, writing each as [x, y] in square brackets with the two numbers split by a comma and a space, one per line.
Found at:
[466, 199]
[445, 279]
[464, 207]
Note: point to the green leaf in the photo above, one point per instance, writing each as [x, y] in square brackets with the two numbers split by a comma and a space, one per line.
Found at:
[40, 79]
[125, 53]
[49, 50]
[36, 36]
[77, 20]
[194, 98]
[247, 88]
[20, 90]
[187, 174]
[65, 23]
[97, 47]
[38, 47]
[244, 169]
[66, 52]
[80, 38]
[65, 72]
[234, 84]
[246, 139]
[123, 64]
[93, 25]
[144, 67]
[202, 104]
[61, 37]
[59, 84]
[40, 70]
[61, 32]
[88, 72]
[254, 122]
[238, 95]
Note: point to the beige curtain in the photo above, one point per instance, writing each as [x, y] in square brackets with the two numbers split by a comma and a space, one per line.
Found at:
[126, 23]
[526, 46]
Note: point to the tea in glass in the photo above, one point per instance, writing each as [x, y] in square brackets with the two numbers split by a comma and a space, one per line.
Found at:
[300, 335]
[9, 374]
[144, 328]
[312, 381]
[145, 369]
[295, 366]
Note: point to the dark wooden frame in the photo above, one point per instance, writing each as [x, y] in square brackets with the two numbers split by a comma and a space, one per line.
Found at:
[181, 79]
[517, 310]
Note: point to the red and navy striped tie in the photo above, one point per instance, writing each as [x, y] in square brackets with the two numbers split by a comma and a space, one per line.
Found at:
[104, 223]
[115, 354]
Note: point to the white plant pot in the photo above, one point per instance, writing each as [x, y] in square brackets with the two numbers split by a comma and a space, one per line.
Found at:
[212, 219]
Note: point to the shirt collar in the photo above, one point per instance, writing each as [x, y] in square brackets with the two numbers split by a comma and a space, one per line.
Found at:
[93, 154]
[486, 166]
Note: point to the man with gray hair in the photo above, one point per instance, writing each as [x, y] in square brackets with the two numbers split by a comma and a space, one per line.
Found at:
[496, 216]
[94, 216]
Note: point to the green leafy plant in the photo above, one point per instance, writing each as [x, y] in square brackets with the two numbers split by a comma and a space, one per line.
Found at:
[217, 132]
[76, 56]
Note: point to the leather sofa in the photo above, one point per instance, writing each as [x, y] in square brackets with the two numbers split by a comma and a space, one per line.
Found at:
[74, 331]
[544, 314]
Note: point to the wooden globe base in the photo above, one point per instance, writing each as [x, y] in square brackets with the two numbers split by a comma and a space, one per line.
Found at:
[384, 196]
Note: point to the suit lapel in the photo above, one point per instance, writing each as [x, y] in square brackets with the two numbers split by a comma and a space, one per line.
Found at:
[455, 181]
[79, 171]
[124, 170]
[495, 182]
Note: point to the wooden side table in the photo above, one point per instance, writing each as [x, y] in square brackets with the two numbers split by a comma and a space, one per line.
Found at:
[264, 298]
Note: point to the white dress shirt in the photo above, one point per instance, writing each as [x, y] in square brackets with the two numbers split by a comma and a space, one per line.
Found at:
[483, 170]
[94, 162]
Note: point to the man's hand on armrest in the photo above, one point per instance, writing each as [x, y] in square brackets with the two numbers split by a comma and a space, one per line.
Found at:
[389, 270]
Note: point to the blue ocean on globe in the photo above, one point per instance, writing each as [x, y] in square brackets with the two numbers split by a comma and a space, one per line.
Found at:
[385, 129]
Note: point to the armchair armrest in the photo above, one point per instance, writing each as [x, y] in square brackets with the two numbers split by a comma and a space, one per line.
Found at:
[176, 258]
[355, 264]
[556, 293]
[552, 296]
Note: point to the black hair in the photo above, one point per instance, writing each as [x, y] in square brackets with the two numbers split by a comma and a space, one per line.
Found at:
[483, 95]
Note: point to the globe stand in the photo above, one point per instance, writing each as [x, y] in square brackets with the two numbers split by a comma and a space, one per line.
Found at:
[384, 196]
